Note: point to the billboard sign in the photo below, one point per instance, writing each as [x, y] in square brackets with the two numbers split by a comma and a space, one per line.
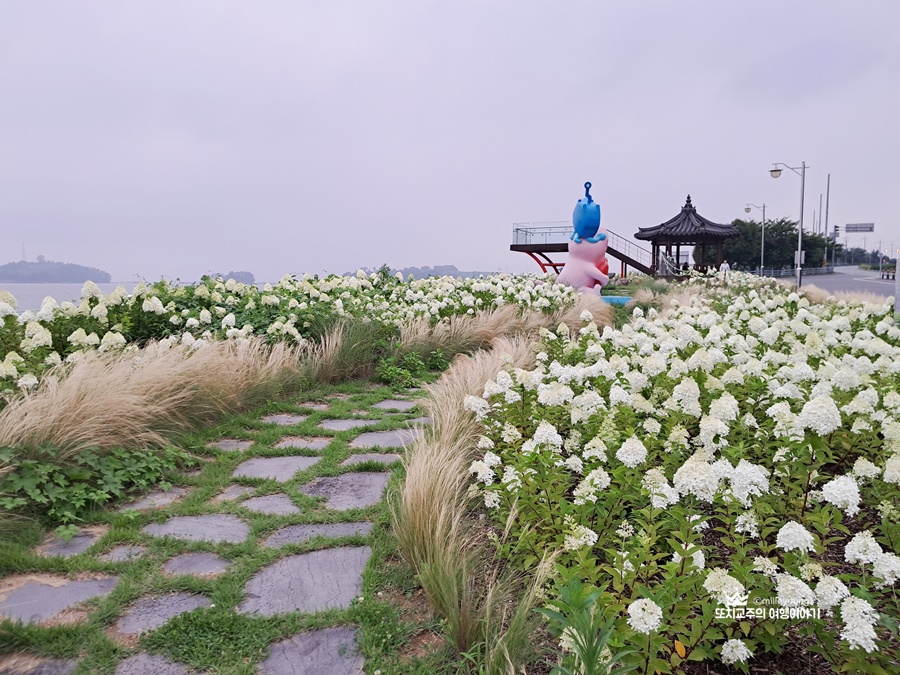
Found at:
[859, 227]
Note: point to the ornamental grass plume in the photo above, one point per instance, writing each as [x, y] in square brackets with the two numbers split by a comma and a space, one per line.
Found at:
[139, 399]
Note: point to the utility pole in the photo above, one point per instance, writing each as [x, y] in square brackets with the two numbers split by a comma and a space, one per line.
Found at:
[819, 226]
[827, 196]
[879, 257]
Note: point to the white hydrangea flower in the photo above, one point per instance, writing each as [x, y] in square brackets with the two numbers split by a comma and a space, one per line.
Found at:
[724, 588]
[747, 523]
[887, 569]
[792, 592]
[661, 493]
[587, 489]
[862, 549]
[632, 452]
[843, 492]
[859, 619]
[863, 468]
[765, 566]
[644, 616]
[735, 651]
[697, 557]
[830, 591]
[820, 415]
[578, 537]
[793, 536]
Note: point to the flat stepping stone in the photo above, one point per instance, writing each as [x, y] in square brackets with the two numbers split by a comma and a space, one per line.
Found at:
[24, 664]
[35, 601]
[81, 542]
[151, 613]
[281, 469]
[331, 651]
[233, 492]
[420, 420]
[296, 534]
[344, 425]
[157, 499]
[123, 553]
[311, 582]
[312, 405]
[302, 442]
[385, 439]
[371, 457]
[214, 528]
[197, 564]
[350, 490]
[276, 505]
[232, 444]
[284, 419]
[396, 404]
[149, 664]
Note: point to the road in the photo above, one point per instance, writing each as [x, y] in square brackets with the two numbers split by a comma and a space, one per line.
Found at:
[852, 279]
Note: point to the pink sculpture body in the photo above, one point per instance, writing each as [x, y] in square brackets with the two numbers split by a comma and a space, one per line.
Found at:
[585, 268]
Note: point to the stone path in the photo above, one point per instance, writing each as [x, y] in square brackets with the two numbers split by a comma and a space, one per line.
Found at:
[325, 574]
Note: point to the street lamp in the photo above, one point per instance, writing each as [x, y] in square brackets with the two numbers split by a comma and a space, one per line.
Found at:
[762, 245]
[775, 172]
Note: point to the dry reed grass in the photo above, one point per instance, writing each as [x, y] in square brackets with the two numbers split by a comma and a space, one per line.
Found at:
[820, 296]
[140, 398]
[430, 514]
[466, 333]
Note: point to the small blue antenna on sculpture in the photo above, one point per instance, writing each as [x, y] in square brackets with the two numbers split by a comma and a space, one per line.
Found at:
[586, 219]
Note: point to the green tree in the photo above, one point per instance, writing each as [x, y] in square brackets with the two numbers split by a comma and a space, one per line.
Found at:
[781, 245]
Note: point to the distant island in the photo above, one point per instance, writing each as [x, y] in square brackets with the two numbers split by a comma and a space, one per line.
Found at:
[45, 271]
[425, 272]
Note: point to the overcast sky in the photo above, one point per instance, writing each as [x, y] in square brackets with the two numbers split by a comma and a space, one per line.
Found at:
[175, 138]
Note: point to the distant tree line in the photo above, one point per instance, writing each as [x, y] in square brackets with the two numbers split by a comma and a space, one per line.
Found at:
[49, 272]
[780, 245]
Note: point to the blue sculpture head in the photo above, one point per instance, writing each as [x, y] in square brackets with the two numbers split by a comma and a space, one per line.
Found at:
[586, 218]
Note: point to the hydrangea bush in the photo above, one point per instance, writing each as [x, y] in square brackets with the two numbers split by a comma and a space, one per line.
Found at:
[727, 473]
[214, 309]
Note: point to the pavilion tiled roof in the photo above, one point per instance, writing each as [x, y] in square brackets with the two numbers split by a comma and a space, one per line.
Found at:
[687, 227]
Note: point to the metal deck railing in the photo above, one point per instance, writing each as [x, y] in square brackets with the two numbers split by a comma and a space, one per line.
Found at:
[557, 232]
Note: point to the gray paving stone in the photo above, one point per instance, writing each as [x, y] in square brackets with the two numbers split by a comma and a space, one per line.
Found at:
[331, 651]
[233, 492]
[157, 499]
[37, 601]
[350, 490]
[420, 420]
[197, 564]
[303, 442]
[123, 553]
[276, 505]
[25, 664]
[295, 534]
[307, 583]
[396, 404]
[149, 664]
[344, 425]
[284, 419]
[81, 542]
[281, 469]
[232, 444]
[386, 458]
[215, 528]
[385, 439]
[314, 405]
[151, 613]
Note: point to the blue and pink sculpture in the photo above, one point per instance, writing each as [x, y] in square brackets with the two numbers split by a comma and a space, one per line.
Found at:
[587, 268]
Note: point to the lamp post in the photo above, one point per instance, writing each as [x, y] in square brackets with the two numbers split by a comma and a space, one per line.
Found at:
[762, 245]
[775, 172]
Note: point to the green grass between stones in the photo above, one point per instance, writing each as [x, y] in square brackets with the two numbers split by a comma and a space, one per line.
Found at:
[217, 639]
